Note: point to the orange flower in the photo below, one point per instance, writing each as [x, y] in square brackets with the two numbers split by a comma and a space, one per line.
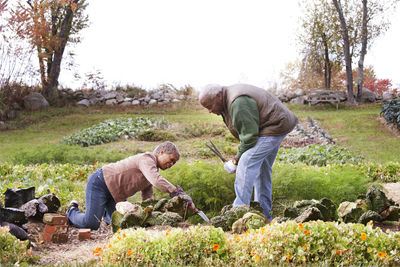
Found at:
[381, 254]
[215, 247]
[237, 238]
[129, 252]
[252, 252]
[256, 258]
[124, 235]
[288, 257]
[97, 251]
[363, 236]
[167, 233]
[119, 238]
[109, 246]
[307, 232]
[301, 226]
[339, 252]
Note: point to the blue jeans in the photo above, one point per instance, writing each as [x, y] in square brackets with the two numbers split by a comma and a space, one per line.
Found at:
[99, 204]
[255, 170]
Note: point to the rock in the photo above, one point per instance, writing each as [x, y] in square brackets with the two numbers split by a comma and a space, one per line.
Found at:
[298, 100]
[291, 212]
[110, 96]
[376, 199]
[349, 212]
[83, 103]
[152, 102]
[33, 208]
[51, 201]
[13, 215]
[111, 102]
[35, 101]
[387, 96]
[310, 214]
[368, 96]
[135, 102]
[391, 214]
[125, 207]
[15, 198]
[370, 216]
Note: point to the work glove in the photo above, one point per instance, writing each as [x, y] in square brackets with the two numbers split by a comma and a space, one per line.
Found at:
[178, 192]
[230, 167]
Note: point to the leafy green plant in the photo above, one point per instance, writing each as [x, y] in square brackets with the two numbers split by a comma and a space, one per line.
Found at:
[63, 153]
[14, 251]
[196, 246]
[387, 173]
[320, 155]
[112, 129]
[198, 129]
[155, 135]
[391, 111]
[289, 243]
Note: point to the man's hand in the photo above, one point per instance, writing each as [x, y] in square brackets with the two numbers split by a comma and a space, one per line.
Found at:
[230, 167]
[183, 195]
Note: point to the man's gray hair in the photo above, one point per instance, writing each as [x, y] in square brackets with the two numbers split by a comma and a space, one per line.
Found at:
[167, 147]
[210, 91]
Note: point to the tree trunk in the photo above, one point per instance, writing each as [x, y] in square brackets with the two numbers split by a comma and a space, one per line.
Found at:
[364, 41]
[328, 65]
[347, 57]
[50, 91]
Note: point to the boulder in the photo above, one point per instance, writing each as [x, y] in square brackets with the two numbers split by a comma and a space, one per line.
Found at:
[349, 212]
[51, 201]
[35, 101]
[368, 96]
[15, 198]
[125, 207]
[310, 214]
[387, 96]
[111, 102]
[376, 199]
[83, 103]
[370, 216]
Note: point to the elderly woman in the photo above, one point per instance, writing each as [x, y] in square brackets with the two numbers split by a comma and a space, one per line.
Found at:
[260, 122]
[117, 181]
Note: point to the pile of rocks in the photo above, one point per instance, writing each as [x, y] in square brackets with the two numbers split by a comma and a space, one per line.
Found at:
[373, 206]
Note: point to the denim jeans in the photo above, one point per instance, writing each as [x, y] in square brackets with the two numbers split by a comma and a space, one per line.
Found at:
[255, 170]
[99, 204]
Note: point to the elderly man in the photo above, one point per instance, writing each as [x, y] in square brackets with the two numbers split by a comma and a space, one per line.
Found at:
[260, 121]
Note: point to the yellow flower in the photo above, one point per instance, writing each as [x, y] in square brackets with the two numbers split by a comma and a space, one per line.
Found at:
[215, 247]
[109, 246]
[119, 230]
[237, 238]
[363, 236]
[129, 252]
[252, 252]
[301, 226]
[381, 254]
[256, 258]
[304, 259]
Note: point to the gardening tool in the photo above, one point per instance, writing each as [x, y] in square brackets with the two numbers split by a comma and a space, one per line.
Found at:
[199, 212]
[228, 165]
[215, 150]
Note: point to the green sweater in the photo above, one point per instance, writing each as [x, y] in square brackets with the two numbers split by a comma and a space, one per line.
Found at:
[246, 121]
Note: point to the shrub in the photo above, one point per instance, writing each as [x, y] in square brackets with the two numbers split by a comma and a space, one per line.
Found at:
[198, 129]
[320, 155]
[63, 153]
[289, 243]
[156, 135]
[386, 173]
[194, 246]
[12, 250]
[111, 130]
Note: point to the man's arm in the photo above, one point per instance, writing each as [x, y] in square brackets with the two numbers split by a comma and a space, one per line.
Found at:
[245, 119]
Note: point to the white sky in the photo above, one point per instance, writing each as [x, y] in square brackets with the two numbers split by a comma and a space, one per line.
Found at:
[150, 42]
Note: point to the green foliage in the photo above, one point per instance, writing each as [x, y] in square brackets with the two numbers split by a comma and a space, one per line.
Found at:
[387, 173]
[391, 111]
[336, 182]
[66, 181]
[112, 129]
[208, 184]
[132, 91]
[155, 135]
[198, 129]
[289, 243]
[320, 155]
[12, 250]
[63, 153]
[198, 246]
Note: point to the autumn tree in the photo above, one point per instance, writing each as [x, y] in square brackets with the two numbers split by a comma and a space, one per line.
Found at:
[50, 25]
[361, 22]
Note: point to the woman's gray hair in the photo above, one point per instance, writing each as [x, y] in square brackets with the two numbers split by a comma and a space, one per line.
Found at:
[209, 91]
[167, 147]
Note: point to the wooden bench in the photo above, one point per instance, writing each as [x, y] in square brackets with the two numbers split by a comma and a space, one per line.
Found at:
[323, 96]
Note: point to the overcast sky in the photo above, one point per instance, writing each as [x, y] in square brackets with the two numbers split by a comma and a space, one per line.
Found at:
[150, 42]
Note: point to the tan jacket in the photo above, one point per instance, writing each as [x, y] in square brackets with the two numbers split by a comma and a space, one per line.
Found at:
[275, 118]
[137, 173]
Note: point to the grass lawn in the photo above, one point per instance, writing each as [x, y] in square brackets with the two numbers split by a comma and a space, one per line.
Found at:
[355, 128]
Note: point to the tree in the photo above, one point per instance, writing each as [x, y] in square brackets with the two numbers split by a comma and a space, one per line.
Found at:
[365, 18]
[50, 25]
[319, 37]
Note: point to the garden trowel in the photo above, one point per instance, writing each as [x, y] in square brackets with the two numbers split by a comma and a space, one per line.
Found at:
[199, 212]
